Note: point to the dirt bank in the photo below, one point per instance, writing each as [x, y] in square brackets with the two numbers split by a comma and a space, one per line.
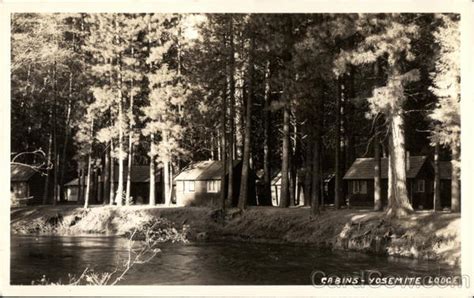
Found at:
[422, 235]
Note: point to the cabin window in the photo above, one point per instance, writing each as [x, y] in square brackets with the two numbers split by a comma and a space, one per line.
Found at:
[189, 186]
[213, 186]
[359, 187]
[420, 185]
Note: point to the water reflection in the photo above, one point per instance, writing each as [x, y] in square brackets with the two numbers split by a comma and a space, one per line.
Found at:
[222, 263]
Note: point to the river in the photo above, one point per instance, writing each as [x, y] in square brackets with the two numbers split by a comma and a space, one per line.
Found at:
[203, 263]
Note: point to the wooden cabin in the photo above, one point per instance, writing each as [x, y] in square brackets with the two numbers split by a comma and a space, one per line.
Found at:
[72, 190]
[420, 182]
[327, 191]
[276, 188]
[26, 185]
[200, 184]
[139, 190]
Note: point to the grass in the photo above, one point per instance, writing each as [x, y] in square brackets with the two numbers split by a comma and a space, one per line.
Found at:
[424, 235]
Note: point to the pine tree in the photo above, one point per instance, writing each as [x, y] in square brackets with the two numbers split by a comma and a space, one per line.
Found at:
[391, 39]
[446, 86]
[244, 186]
[167, 95]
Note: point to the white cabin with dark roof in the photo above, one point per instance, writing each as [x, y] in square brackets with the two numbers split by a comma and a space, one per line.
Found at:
[200, 184]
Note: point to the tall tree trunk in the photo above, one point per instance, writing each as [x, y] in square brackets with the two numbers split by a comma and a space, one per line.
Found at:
[119, 194]
[455, 189]
[56, 188]
[171, 173]
[244, 181]
[224, 153]
[390, 178]
[231, 87]
[292, 163]
[377, 175]
[98, 191]
[211, 142]
[338, 164]
[316, 184]
[79, 185]
[316, 178]
[92, 194]
[89, 165]
[378, 160]
[166, 179]
[399, 204]
[308, 175]
[112, 174]
[219, 145]
[48, 171]
[55, 137]
[105, 177]
[88, 182]
[343, 144]
[321, 128]
[67, 130]
[224, 156]
[267, 176]
[130, 145]
[436, 186]
[285, 158]
[151, 195]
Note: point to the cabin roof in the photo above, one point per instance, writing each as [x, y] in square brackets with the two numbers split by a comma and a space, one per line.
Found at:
[363, 168]
[328, 177]
[276, 180]
[21, 173]
[204, 170]
[73, 182]
[139, 174]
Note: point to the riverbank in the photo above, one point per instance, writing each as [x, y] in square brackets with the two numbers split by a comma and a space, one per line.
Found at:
[423, 235]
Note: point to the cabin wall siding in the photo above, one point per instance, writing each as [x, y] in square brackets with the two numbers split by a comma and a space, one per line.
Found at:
[422, 200]
[418, 200]
[359, 199]
[200, 196]
[33, 189]
[18, 191]
[139, 191]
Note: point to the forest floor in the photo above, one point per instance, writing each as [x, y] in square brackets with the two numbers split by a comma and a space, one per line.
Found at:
[425, 235]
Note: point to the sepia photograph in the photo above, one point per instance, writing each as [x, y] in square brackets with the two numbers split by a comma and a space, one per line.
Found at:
[251, 149]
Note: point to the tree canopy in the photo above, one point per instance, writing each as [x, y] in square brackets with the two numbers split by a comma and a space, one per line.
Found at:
[300, 94]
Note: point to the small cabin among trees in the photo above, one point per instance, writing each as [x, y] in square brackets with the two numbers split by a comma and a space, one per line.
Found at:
[327, 192]
[420, 182]
[276, 189]
[200, 184]
[26, 185]
[139, 188]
